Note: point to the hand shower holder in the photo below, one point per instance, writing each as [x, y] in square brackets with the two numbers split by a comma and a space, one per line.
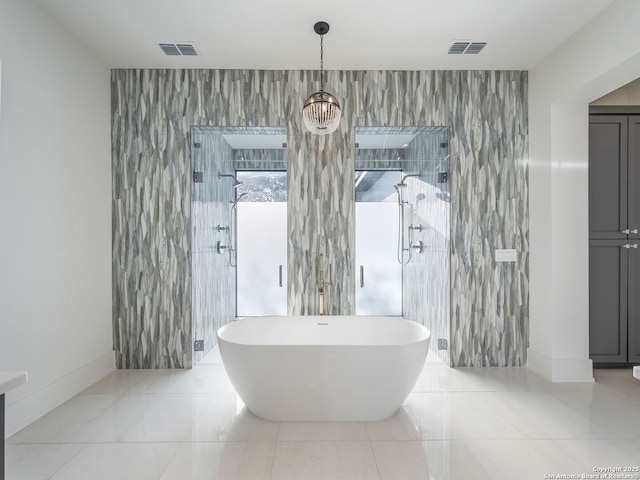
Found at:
[419, 246]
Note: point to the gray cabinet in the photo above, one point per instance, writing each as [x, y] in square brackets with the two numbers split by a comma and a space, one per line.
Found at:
[633, 309]
[614, 238]
[608, 301]
[608, 164]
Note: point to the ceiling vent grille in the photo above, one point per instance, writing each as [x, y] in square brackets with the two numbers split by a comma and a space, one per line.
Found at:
[466, 48]
[179, 49]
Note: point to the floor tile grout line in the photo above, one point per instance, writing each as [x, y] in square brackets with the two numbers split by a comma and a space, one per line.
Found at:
[273, 460]
[67, 462]
[375, 460]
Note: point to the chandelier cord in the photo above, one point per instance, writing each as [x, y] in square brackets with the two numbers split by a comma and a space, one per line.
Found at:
[322, 63]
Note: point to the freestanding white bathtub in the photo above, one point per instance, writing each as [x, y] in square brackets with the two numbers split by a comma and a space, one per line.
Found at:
[323, 368]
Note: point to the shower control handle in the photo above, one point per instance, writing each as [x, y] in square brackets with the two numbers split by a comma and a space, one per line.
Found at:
[280, 276]
[361, 276]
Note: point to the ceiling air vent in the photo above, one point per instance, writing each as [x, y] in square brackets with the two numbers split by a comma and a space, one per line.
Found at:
[466, 48]
[179, 49]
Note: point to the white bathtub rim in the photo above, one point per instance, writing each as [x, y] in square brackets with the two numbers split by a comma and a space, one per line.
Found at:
[422, 333]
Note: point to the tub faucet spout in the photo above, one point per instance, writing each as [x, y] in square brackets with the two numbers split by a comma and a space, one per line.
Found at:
[322, 286]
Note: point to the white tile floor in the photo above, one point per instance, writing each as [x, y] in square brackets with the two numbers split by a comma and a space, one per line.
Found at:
[481, 423]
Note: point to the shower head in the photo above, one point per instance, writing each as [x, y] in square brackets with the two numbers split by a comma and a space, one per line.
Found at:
[398, 187]
[412, 174]
[236, 182]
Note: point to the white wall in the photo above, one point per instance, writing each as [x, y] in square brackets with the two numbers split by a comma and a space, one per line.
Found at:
[55, 195]
[598, 59]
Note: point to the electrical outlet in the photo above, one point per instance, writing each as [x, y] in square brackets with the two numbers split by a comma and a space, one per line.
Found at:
[443, 344]
[199, 346]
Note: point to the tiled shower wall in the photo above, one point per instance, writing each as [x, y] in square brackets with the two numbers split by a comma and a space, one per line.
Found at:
[152, 112]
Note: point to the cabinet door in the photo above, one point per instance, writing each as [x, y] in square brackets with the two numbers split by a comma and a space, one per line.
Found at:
[608, 301]
[633, 309]
[633, 176]
[608, 163]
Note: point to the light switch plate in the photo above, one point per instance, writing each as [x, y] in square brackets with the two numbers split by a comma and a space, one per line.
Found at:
[506, 255]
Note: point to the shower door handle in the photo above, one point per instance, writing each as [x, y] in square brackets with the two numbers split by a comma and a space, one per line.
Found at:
[280, 276]
[361, 276]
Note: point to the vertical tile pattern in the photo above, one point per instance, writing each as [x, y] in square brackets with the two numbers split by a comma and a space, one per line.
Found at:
[321, 210]
[151, 234]
[152, 110]
[490, 314]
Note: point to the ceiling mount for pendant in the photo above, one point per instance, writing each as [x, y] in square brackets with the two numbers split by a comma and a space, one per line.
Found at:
[321, 111]
[321, 28]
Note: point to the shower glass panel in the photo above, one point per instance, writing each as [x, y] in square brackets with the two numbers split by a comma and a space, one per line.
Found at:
[262, 243]
[405, 171]
[220, 191]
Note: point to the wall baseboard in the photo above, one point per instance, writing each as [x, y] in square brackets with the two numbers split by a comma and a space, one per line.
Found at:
[560, 370]
[20, 412]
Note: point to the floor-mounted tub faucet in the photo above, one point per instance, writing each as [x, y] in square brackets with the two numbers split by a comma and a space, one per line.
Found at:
[322, 286]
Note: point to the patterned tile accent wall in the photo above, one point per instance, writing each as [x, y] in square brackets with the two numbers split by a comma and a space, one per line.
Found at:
[151, 232]
[153, 110]
[489, 188]
[321, 211]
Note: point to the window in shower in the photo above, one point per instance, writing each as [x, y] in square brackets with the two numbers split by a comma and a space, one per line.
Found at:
[378, 273]
[262, 243]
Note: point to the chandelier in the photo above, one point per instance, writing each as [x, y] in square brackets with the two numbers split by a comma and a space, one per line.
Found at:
[321, 111]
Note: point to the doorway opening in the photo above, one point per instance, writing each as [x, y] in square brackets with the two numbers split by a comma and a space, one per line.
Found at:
[262, 243]
[378, 274]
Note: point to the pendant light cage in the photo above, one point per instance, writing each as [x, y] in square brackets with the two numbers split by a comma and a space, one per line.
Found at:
[321, 111]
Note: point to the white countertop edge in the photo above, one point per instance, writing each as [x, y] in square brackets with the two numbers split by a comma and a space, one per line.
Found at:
[636, 372]
[11, 379]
